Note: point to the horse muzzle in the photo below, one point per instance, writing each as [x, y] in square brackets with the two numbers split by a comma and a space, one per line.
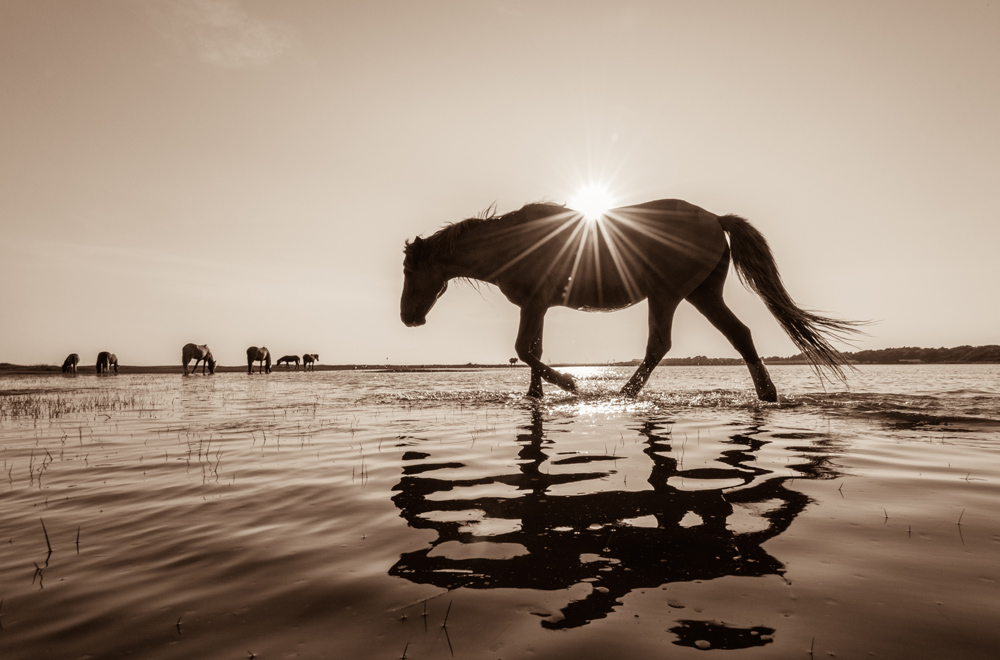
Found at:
[413, 322]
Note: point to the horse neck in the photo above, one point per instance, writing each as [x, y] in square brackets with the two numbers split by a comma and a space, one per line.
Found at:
[474, 254]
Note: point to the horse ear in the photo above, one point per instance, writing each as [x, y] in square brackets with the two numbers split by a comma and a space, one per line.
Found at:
[412, 249]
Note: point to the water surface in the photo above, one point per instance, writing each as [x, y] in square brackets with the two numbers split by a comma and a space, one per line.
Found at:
[431, 515]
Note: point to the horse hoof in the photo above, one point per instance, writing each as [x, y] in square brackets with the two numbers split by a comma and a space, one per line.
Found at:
[569, 385]
[768, 393]
[629, 392]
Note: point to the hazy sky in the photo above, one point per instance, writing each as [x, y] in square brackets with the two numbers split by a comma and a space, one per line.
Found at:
[237, 173]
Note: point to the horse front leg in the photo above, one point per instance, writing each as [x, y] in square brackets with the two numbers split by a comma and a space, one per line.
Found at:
[529, 350]
[661, 318]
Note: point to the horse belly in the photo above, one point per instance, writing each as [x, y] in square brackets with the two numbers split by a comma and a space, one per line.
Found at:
[592, 298]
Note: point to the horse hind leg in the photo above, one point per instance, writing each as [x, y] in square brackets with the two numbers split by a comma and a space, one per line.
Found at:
[740, 337]
[661, 319]
[707, 299]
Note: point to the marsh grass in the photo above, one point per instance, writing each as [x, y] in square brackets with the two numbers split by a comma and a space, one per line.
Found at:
[51, 405]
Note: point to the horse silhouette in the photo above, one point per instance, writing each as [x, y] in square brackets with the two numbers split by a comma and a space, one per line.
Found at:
[288, 359]
[69, 364]
[105, 361]
[666, 251]
[309, 361]
[261, 355]
[198, 353]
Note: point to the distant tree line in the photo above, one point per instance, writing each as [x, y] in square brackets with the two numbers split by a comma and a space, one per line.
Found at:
[904, 355]
[990, 353]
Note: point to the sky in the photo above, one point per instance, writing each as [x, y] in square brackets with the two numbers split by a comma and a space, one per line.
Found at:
[245, 173]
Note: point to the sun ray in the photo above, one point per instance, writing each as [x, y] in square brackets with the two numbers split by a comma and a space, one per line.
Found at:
[610, 234]
[596, 247]
[559, 255]
[571, 216]
[649, 230]
[580, 248]
[627, 242]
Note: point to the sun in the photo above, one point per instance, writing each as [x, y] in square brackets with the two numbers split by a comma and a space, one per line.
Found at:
[593, 201]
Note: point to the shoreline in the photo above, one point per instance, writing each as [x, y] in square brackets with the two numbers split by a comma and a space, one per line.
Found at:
[7, 369]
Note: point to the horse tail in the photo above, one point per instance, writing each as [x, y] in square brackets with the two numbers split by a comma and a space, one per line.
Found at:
[810, 332]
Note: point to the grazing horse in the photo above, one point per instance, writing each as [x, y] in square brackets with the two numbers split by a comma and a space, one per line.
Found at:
[309, 361]
[105, 361]
[666, 251]
[69, 364]
[198, 353]
[288, 359]
[261, 355]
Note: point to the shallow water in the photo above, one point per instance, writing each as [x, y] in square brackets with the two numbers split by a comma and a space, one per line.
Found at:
[431, 515]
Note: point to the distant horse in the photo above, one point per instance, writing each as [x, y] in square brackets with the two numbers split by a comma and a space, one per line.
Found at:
[309, 361]
[261, 355]
[105, 361]
[666, 251]
[198, 353]
[288, 359]
[69, 364]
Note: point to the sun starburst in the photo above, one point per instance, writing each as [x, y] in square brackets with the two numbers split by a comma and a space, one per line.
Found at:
[592, 200]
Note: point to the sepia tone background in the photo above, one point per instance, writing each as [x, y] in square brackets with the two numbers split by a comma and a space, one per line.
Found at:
[238, 173]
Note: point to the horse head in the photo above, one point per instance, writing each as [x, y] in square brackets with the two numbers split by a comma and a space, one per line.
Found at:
[424, 282]
[211, 362]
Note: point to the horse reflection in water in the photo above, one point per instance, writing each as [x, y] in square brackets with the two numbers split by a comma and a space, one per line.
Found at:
[558, 531]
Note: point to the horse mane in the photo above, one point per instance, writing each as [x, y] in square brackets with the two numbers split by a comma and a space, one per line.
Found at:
[444, 240]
